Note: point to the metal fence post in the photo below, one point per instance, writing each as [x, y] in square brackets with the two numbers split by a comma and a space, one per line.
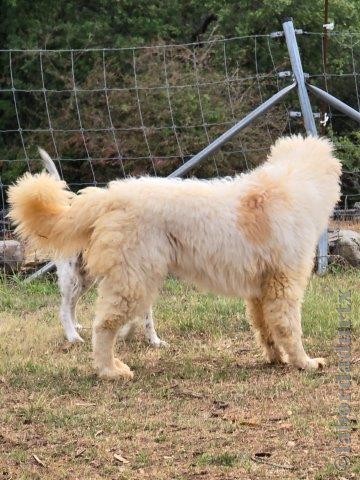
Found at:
[234, 130]
[308, 117]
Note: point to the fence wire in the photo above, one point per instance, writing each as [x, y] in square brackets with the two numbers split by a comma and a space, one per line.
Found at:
[136, 110]
[110, 113]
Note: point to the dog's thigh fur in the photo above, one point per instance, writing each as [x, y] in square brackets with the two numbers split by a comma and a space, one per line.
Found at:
[263, 334]
[281, 303]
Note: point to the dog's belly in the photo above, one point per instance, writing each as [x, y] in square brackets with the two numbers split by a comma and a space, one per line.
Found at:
[221, 264]
[227, 280]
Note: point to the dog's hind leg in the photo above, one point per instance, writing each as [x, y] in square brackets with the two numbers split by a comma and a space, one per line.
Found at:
[117, 304]
[72, 283]
[282, 300]
[263, 335]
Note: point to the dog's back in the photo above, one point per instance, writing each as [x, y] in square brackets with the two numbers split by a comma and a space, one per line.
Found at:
[273, 214]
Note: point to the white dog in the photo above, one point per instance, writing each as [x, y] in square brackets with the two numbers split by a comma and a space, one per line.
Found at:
[74, 280]
[253, 236]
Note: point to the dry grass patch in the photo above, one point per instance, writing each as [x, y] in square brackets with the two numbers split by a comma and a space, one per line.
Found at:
[205, 408]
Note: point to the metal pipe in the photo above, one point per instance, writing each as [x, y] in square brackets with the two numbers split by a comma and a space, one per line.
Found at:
[46, 268]
[325, 44]
[308, 117]
[225, 137]
[334, 102]
[295, 60]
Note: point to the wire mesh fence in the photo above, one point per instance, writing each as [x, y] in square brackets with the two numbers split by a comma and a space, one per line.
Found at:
[137, 110]
[109, 113]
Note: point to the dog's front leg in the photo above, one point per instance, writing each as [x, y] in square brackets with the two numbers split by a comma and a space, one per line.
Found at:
[281, 303]
[148, 323]
[263, 334]
[150, 332]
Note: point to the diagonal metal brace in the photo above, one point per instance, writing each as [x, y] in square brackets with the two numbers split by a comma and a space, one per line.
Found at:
[334, 102]
[225, 137]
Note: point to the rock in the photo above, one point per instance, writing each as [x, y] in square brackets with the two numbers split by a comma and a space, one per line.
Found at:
[11, 255]
[346, 244]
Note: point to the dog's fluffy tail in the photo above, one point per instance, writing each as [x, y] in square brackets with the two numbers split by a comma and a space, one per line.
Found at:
[48, 164]
[47, 214]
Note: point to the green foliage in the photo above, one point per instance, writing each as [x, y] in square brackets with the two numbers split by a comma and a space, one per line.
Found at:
[348, 150]
[113, 23]
[90, 23]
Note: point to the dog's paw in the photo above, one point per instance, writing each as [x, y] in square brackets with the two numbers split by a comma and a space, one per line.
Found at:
[315, 364]
[158, 343]
[75, 338]
[116, 371]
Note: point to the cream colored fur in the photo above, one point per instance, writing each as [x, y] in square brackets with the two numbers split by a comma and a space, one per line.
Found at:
[73, 281]
[253, 236]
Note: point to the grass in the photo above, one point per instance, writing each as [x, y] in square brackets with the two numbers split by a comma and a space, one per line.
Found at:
[202, 409]
[223, 459]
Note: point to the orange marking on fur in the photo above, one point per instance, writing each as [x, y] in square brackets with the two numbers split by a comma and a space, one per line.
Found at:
[111, 323]
[252, 219]
[256, 208]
